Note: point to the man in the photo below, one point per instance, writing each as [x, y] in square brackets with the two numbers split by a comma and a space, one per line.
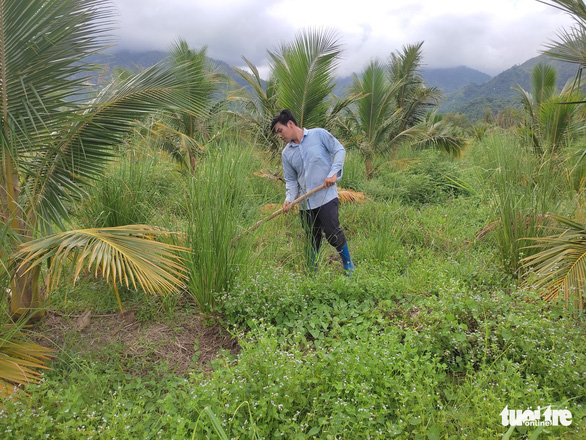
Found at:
[310, 158]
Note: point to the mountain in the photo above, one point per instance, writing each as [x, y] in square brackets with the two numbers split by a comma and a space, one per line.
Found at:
[142, 60]
[447, 80]
[451, 79]
[132, 60]
[467, 91]
[497, 93]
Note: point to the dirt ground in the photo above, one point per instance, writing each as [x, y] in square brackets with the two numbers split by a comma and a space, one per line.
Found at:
[186, 342]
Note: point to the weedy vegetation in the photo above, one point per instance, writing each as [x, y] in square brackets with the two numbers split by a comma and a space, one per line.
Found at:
[134, 308]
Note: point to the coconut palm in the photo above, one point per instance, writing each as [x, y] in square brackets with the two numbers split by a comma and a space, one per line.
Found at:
[558, 265]
[301, 79]
[375, 113]
[571, 47]
[414, 98]
[304, 74]
[551, 118]
[186, 131]
[391, 106]
[54, 140]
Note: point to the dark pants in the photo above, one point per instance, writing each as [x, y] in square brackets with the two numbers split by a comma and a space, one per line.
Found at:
[323, 220]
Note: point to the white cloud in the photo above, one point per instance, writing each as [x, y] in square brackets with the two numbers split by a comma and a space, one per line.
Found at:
[488, 36]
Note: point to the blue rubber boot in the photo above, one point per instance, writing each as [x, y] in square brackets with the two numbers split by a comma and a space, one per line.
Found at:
[346, 260]
[312, 260]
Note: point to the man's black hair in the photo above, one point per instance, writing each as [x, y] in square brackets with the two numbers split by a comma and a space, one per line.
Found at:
[283, 117]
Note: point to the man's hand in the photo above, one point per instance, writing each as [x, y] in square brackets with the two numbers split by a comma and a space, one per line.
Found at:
[286, 206]
[330, 181]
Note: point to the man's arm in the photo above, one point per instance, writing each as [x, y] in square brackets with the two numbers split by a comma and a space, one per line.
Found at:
[338, 152]
[291, 183]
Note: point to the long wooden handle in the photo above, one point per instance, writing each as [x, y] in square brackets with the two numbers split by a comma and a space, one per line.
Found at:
[276, 213]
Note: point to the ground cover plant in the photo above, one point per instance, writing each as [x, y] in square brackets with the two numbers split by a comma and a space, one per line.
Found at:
[431, 338]
[441, 329]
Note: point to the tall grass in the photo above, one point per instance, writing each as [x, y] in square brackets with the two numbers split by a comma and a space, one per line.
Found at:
[216, 201]
[523, 189]
[125, 195]
[380, 229]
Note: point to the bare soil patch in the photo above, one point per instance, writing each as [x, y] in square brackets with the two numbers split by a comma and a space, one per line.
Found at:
[184, 343]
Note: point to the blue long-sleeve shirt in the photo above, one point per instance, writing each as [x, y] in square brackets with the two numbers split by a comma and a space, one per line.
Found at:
[308, 164]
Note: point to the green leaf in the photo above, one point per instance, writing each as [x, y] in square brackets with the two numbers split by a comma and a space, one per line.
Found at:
[216, 424]
[314, 431]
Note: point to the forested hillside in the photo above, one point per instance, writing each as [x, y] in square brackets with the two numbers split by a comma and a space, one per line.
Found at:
[450, 79]
[474, 99]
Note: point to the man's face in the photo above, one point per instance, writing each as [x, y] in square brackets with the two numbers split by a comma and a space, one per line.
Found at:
[285, 132]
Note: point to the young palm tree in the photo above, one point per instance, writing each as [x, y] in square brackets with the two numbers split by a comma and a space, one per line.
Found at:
[369, 126]
[391, 106]
[304, 74]
[53, 141]
[187, 130]
[301, 79]
[571, 47]
[558, 266]
[414, 98]
[551, 119]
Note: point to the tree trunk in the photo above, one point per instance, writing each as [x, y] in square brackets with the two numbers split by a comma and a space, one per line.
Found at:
[369, 170]
[27, 297]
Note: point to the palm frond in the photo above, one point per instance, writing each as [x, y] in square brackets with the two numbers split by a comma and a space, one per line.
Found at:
[441, 136]
[560, 265]
[576, 8]
[376, 104]
[81, 149]
[543, 82]
[570, 47]
[304, 71]
[264, 94]
[350, 196]
[405, 67]
[571, 44]
[260, 105]
[526, 100]
[126, 255]
[422, 100]
[44, 67]
[20, 360]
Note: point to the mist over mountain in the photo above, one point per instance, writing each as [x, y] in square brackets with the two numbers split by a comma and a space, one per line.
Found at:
[450, 79]
[467, 91]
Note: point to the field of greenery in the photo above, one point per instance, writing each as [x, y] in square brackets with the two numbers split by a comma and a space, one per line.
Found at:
[136, 305]
[431, 338]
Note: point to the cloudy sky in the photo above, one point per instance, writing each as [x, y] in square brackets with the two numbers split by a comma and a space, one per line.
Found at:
[490, 36]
